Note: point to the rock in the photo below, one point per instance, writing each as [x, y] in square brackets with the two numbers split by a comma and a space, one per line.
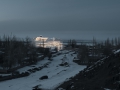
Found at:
[43, 77]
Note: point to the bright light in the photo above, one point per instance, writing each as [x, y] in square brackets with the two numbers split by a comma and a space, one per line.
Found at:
[41, 38]
[48, 43]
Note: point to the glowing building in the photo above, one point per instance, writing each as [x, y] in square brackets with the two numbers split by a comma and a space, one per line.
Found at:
[48, 42]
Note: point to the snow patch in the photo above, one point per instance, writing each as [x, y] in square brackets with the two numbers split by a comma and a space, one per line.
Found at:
[56, 74]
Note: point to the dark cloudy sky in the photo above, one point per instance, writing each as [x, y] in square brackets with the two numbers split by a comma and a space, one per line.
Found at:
[75, 19]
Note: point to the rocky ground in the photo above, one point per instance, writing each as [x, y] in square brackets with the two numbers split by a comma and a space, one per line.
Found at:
[103, 75]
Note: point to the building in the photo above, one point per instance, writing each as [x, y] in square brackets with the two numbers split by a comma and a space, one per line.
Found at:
[48, 42]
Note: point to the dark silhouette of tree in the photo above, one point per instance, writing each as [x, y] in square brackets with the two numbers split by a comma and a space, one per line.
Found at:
[49, 56]
[107, 48]
[56, 49]
[72, 43]
[83, 52]
[15, 50]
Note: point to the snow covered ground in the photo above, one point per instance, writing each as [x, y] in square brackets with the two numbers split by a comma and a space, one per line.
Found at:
[56, 75]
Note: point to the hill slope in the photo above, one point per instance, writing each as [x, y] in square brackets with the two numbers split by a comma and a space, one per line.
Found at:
[103, 75]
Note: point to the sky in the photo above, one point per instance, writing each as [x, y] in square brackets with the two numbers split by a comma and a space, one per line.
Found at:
[64, 19]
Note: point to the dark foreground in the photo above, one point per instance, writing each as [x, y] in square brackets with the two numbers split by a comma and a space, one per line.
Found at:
[103, 75]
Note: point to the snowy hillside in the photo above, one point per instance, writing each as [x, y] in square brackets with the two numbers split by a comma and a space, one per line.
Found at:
[102, 75]
[56, 74]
